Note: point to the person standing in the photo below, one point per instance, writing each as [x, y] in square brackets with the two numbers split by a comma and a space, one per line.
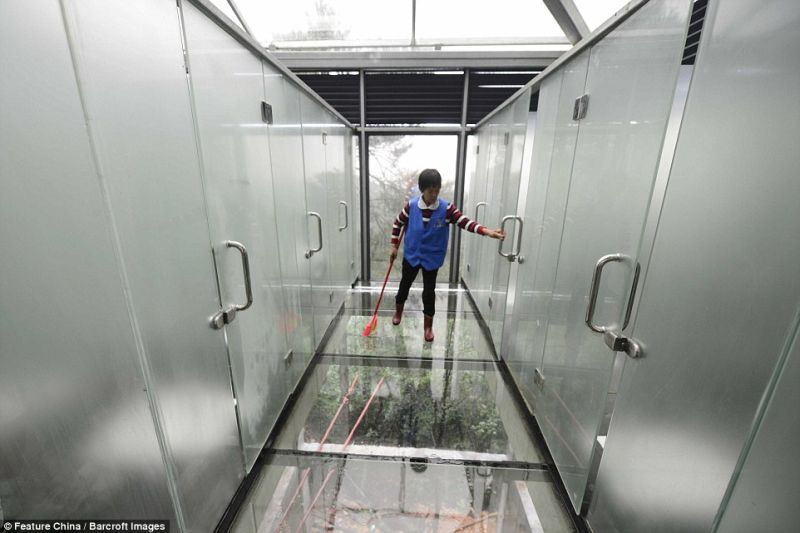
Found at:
[425, 219]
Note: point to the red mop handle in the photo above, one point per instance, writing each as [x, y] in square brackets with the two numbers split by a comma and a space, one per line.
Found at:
[386, 278]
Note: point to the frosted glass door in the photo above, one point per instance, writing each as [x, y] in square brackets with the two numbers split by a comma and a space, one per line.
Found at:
[719, 303]
[291, 220]
[506, 197]
[474, 208]
[553, 151]
[149, 162]
[339, 208]
[319, 218]
[490, 213]
[77, 435]
[631, 80]
[228, 89]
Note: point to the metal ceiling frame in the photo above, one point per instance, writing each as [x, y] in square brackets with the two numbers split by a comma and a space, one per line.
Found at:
[568, 17]
[422, 59]
[424, 43]
[621, 16]
[244, 38]
[565, 13]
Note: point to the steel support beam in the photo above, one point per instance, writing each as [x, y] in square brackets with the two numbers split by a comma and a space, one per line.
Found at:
[246, 40]
[569, 18]
[622, 15]
[461, 172]
[421, 59]
[363, 154]
[413, 130]
[238, 14]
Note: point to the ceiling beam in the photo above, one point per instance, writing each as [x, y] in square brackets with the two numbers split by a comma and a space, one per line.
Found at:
[424, 59]
[569, 18]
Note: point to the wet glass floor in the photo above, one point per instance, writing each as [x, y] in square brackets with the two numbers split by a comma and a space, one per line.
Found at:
[390, 433]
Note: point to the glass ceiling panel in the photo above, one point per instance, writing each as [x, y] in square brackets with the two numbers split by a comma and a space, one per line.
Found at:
[327, 20]
[479, 20]
[225, 7]
[596, 12]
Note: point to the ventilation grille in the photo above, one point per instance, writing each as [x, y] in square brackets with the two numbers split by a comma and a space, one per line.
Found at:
[425, 97]
[695, 29]
[414, 97]
[338, 88]
[488, 89]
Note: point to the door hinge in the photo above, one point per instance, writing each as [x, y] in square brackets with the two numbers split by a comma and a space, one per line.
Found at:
[324, 137]
[505, 138]
[266, 113]
[580, 107]
[222, 317]
[620, 343]
[538, 378]
[477, 148]
[490, 302]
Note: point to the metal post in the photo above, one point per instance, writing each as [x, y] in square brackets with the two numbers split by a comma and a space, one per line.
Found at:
[363, 154]
[413, 23]
[461, 172]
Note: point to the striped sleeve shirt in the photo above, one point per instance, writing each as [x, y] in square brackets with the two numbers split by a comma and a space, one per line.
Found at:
[454, 216]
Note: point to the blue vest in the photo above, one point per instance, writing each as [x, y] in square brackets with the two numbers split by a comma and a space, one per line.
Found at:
[426, 244]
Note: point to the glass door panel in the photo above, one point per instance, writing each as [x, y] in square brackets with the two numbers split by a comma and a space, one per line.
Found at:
[553, 152]
[468, 245]
[228, 91]
[719, 303]
[475, 209]
[489, 214]
[151, 169]
[339, 207]
[631, 80]
[319, 217]
[395, 162]
[77, 429]
[507, 198]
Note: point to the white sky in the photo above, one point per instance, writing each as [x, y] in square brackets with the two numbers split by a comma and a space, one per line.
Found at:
[391, 19]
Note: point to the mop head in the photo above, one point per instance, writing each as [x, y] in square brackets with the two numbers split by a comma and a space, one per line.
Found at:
[371, 325]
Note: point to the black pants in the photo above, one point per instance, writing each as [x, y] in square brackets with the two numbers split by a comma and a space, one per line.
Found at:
[428, 285]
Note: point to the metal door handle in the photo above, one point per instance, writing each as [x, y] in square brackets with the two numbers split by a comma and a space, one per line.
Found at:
[595, 288]
[228, 314]
[346, 215]
[632, 296]
[311, 252]
[514, 254]
[248, 289]
[477, 206]
[519, 237]
[615, 340]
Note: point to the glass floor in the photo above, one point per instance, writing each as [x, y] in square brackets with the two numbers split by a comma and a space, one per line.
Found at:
[390, 433]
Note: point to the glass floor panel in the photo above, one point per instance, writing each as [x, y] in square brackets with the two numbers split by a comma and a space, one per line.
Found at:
[450, 410]
[453, 300]
[303, 493]
[456, 336]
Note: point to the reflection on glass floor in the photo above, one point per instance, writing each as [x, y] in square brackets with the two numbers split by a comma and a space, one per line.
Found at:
[448, 299]
[457, 336]
[390, 433]
[300, 493]
[447, 410]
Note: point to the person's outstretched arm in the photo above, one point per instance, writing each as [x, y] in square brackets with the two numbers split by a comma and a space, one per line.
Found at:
[454, 216]
[399, 223]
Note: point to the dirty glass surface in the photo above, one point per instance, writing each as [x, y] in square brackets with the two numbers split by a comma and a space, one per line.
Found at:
[348, 494]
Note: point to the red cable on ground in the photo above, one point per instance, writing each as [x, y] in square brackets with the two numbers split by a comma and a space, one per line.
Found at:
[345, 401]
[344, 448]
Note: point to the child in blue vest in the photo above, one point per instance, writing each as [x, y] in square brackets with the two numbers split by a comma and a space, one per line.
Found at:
[425, 218]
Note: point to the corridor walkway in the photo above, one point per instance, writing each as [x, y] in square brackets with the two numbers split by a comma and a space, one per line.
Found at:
[390, 433]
